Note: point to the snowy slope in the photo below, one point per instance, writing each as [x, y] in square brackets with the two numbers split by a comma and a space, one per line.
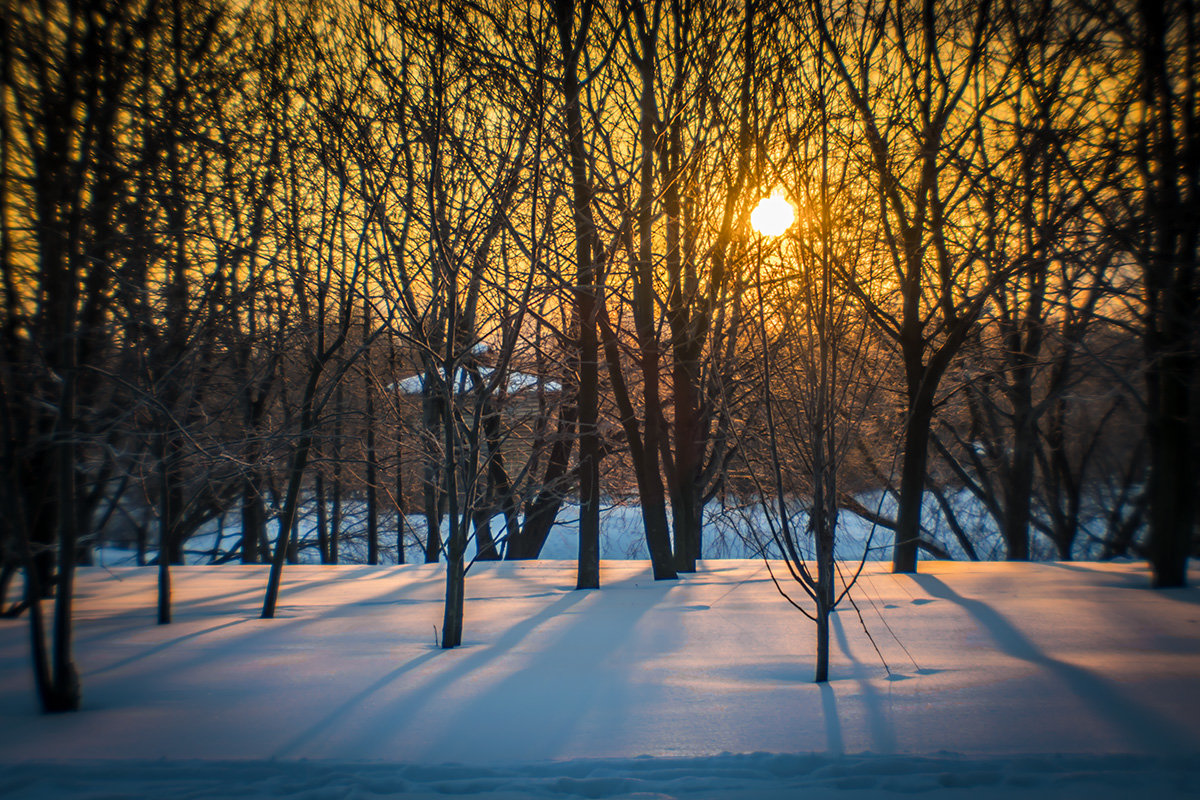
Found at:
[1056, 679]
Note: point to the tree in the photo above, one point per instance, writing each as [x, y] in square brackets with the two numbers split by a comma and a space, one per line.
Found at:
[1147, 201]
[63, 77]
[817, 354]
[573, 24]
[1166, 156]
[1038, 239]
[457, 270]
[325, 281]
[920, 84]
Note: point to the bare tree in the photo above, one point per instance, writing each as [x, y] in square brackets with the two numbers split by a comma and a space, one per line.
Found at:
[1166, 246]
[1147, 200]
[64, 75]
[1026, 352]
[457, 268]
[324, 281]
[919, 79]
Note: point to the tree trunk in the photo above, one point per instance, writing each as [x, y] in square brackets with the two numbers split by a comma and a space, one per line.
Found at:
[912, 481]
[456, 545]
[295, 476]
[433, 493]
[67, 694]
[400, 504]
[293, 539]
[588, 401]
[296, 467]
[1171, 199]
[335, 500]
[1018, 486]
[369, 399]
[253, 520]
[322, 516]
[452, 620]
[821, 674]
[165, 533]
[372, 493]
[1172, 471]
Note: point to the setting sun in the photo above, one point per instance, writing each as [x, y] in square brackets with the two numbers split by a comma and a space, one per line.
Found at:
[772, 216]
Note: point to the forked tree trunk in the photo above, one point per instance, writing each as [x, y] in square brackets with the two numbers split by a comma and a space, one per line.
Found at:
[542, 510]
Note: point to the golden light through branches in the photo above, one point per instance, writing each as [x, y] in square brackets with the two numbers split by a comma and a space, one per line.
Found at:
[772, 216]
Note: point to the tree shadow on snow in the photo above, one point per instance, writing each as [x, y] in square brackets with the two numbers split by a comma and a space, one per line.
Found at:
[833, 723]
[1140, 726]
[165, 645]
[1139, 581]
[467, 659]
[598, 653]
[883, 737]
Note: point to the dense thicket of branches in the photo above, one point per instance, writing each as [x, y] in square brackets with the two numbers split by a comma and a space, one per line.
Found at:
[376, 277]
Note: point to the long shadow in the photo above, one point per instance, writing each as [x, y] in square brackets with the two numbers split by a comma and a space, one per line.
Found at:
[595, 635]
[1131, 580]
[161, 646]
[882, 735]
[1137, 581]
[289, 591]
[465, 665]
[105, 628]
[242, 600]
[181, 610]
[265, 631]
[1189, 594]
[107, 692]
[833, 723]
[350, 704]
[247, 608]
[398, 595]
[1138, 725]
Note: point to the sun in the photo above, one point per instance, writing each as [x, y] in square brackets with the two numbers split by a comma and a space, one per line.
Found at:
[772, 216]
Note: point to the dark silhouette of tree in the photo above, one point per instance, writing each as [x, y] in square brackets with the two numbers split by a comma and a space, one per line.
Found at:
[920, 80]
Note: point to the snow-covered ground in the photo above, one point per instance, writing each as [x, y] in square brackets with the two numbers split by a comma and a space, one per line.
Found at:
[1001, 680]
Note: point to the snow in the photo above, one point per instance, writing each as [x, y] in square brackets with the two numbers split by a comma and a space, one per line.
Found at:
[464, 380]
[1038, 680]
[731, 530]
